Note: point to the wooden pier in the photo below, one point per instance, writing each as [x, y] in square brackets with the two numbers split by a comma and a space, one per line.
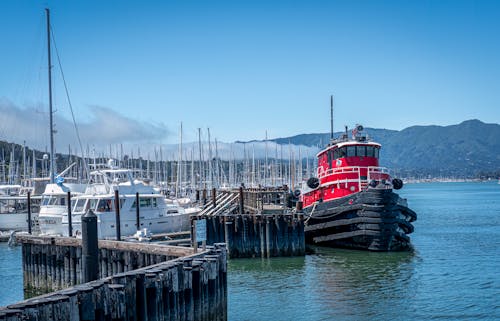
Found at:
[138, 281]
[253, 222]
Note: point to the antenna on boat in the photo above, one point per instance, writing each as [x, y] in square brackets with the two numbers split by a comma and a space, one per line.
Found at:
[331, 117]
[52, 163]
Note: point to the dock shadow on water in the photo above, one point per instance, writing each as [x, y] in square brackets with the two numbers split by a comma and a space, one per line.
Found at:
[331, 284]
[11, 274]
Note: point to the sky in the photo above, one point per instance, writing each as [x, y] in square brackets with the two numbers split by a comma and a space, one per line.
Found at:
[136, 70]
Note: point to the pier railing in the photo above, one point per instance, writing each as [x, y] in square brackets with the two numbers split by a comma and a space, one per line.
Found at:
[260, 200]
[247, 201]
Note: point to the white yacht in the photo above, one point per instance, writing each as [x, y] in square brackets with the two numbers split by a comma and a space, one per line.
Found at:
[14, 204]
[99, 196]
[55, 204]
[14, 213]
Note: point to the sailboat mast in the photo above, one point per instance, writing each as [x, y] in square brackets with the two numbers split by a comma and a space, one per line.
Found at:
[331, 117]
[52, 163]
[202, 176]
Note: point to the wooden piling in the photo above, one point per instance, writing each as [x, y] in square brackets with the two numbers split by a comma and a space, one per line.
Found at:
[29, 212]
[117, 216]
[137, 214]
[188, 288]
[70, 218]
[90, 249]
[214, 197]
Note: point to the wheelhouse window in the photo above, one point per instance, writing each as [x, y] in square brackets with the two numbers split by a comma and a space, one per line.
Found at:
[361, 151]
[339, 153]
[45, 200]
[93, 204]
[80, 205]
[350, 151]
[144, 202]
[105, 205]
[370, 151]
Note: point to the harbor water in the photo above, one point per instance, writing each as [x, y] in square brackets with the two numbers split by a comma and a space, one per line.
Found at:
[451, 274]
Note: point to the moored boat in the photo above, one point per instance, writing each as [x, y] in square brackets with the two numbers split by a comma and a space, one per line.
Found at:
[351, 203]
[14, 204]
[155, 214]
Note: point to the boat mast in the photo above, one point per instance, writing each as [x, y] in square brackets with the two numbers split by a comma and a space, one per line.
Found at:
[52, 163]
[179, 167]
[331, 117]
[201, 171]
[265, 165]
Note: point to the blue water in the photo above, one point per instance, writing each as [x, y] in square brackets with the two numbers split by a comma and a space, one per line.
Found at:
[11, 274]
[452, 273]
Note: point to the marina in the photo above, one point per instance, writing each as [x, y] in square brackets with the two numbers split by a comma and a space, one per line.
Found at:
[451, 273]
[170, 161]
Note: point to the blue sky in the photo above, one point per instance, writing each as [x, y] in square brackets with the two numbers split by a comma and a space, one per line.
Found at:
[246, 67]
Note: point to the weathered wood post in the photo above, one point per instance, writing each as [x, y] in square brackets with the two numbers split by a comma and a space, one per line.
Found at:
[268, 237]
[117, 215]
[299, 206]
[70, 219]
[242, 209]
[214, 197]
[137, 217]
[204, 196]
[197, 195]
[90, 250]
[29, 212]
[193, 233]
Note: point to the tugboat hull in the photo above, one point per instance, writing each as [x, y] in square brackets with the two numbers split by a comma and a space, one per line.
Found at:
[375, 219]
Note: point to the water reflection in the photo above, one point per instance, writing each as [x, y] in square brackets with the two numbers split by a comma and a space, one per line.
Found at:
[359, 283]
[329, 284]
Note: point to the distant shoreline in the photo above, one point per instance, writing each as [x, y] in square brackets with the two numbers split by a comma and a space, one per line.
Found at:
[446, 180]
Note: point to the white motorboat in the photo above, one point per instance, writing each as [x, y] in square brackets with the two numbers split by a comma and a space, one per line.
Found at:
[14, 204]
[99, 196]
[55, 204]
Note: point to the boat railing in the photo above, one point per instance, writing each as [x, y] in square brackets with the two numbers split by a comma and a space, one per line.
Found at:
[377, 173]
[372, 173]
[336, 171]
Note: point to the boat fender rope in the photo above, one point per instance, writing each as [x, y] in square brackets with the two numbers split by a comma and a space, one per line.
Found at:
[12, 239]
[312, 211]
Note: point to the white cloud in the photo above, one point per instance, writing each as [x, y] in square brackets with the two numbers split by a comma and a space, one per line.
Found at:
[105, 127]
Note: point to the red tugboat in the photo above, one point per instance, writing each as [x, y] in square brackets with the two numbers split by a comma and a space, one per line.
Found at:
[351, 202]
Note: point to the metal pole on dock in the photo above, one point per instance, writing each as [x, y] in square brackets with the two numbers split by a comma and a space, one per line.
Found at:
[137, 216]
[117, 216]
[70, 218]
[90, 248]
[29, 212]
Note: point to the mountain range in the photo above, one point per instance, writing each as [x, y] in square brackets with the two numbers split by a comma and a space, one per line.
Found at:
[471, 148]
